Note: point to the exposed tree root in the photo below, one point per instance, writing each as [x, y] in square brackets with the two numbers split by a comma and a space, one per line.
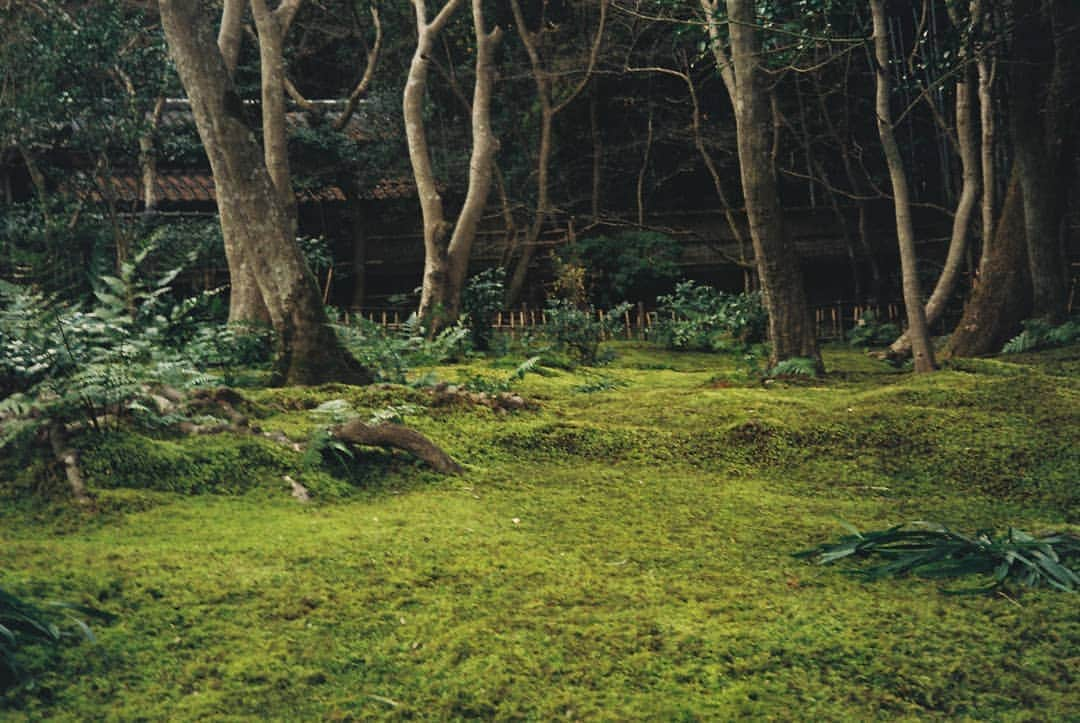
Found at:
[69, 458]
[395, 435]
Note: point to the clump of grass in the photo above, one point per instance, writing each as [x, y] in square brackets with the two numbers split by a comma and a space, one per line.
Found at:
[934, 551]
[24, 624]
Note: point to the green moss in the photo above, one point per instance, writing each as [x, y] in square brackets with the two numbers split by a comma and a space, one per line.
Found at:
[194, 465]
[621, 556]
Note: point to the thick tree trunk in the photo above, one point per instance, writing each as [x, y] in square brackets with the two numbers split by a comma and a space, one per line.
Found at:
[791, 328]
[1002, 298]
[257, 224]
[918, 332]
[1044, 81]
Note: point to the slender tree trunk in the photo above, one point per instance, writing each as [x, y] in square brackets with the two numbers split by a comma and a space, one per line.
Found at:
[597, 153]
[246, 305]
[965, 206]
[148, 158]
[643, 171]
[791, 328]
[918, 332]
[447, 246]
[1002, 298]
[255, 219]
[549, 109]
[987, 66]
[359, 257]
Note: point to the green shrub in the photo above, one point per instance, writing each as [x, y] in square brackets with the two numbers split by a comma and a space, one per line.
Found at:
[870, 332]
[579, 331]
[698, 317]
[481, 301]
[391, 353]
[798, 366]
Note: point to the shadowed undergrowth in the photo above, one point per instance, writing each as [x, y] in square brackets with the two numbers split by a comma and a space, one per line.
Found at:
[618, 554]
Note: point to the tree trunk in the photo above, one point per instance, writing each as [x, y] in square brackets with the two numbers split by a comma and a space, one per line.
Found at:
[359, 258]
[447, 246]
[1044, 81]
[918, 332]
[987, 66]
[256, 221]
[791, 328]
[549, 109]
[148, 158]
[1002, 298]
[965, 207]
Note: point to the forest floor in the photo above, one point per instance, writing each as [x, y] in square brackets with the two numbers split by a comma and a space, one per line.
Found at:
[621, 551]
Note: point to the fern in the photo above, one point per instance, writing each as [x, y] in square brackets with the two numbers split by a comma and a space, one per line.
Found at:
[795, 367]
[1038, 334]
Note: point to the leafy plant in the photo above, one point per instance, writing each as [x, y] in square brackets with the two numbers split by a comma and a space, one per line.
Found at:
[698, 317]
[579, 331]
[481, 301]
[869, 331]
[933, 551]
[795, 367]
[22, 623]
[1038, 334]
[391, 353]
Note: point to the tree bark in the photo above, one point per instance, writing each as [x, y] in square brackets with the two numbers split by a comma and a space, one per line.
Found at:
[1002, 298]
[965, 206]
[148, 158]
[791, 328]
[255, 219]
[918, 332]
[987, 66]
[1044, 83]
[447, 246]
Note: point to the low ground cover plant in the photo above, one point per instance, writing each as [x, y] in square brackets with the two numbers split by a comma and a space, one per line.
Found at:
[934, 551]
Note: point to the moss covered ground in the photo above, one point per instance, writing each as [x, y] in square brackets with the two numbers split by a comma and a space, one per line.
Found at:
[615, 555]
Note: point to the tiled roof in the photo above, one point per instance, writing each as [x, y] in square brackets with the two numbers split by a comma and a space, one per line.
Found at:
[174, 187]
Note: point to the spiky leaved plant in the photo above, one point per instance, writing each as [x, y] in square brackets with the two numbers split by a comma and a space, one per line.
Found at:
[931, 550]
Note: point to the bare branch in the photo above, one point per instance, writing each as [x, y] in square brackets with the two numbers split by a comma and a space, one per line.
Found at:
[361, 88]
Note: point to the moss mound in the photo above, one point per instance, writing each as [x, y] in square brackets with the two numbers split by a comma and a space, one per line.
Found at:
[196, 465]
